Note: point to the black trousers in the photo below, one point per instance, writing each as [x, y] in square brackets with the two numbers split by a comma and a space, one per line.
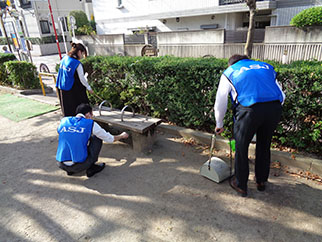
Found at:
[93, 150]
[260, 119]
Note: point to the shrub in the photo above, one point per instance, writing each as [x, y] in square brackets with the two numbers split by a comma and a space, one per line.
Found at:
[308, 17]
[86, 30]
[22, 74]
[81, 20]
[3, 73]
[45, 40]
[3, 41]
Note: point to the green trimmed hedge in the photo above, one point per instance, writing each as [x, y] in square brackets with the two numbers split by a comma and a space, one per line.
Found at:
[308, 17]
[3, 73]
[19, 74]
[22, 74]
[182, 91]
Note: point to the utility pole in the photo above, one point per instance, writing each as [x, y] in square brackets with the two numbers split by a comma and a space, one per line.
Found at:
[52, 19]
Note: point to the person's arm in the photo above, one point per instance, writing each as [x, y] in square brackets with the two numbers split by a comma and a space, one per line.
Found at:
[106, 136]
[280, 87]
[220, 106]
[83, 78]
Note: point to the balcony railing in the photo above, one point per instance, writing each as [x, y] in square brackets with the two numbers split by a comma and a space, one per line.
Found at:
[225, 2]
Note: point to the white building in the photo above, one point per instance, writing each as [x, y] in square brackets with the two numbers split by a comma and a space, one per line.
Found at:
[36, 18]
[128, 16]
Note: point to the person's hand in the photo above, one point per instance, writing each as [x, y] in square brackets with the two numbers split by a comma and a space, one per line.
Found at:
[124, 135]
[91, 91]
[219, 130]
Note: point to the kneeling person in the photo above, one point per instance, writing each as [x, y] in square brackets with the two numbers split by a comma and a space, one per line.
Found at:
[80, 141]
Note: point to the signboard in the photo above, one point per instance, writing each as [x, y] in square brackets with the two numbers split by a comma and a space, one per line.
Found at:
[15, 41]
[149, 50]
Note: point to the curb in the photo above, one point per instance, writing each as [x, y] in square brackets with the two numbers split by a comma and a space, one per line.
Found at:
[294, 161]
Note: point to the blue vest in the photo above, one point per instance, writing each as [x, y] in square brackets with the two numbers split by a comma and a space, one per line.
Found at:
[254, 82]
[74, 133]
[65, 78]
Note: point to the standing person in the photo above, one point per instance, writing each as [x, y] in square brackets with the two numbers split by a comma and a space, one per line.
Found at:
[257, 98]
[80, 141]
[71, 81]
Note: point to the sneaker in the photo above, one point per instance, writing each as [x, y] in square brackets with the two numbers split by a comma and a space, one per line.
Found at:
[95, 169]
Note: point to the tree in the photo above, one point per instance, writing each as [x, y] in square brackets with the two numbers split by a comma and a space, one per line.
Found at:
[251, 28]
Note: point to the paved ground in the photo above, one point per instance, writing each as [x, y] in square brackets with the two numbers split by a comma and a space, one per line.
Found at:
[140, 197]
[49, 60]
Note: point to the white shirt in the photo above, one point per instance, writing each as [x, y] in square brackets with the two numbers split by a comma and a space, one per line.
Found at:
[224, 88]
[83, 77]
[99, 132]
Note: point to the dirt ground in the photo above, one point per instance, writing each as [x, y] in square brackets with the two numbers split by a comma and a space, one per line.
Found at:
[140, 197]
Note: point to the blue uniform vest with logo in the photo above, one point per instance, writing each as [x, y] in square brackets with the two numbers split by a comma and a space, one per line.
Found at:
[74, 133]
[65, 78]
[254, 82]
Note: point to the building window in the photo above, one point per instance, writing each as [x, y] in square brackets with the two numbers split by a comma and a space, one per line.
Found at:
[65, 25]
[44, 26]
[25, 3]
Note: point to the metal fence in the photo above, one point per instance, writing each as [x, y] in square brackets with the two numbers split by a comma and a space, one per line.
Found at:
[260, 51]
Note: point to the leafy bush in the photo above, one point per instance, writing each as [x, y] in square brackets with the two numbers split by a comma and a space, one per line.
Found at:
[3, 41]
[308, 17]
[81, 20]
[301, 124]
[3, 73]
[86, 30]
[182, 91]
[45, 40]
[22, 74]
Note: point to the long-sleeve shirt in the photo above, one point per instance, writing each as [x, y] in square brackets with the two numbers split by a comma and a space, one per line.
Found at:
[99, 132]
[82, 77]
[225, 87]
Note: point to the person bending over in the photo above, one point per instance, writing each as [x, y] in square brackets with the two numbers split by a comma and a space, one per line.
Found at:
[80, 141]
[257, 97]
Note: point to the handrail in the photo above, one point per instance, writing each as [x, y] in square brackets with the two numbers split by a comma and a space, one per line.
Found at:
[101, 104]
[123, 109]
[41, 82]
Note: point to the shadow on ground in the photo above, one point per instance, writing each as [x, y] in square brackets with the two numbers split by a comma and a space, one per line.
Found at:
[140, 197]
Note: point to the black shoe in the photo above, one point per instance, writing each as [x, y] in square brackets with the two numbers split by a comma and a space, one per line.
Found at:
[234, 186]
[94, 169]
[70, 173]
[261, 186]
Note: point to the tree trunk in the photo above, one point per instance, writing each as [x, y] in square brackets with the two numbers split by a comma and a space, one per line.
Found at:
[250, 34]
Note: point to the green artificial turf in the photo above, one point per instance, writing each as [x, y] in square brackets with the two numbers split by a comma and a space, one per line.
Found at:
[19, 108]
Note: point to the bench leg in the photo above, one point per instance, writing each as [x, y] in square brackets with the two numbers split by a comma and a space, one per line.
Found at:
[143, 142]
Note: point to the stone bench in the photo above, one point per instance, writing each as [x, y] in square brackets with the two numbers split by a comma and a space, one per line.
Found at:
[140, 128]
